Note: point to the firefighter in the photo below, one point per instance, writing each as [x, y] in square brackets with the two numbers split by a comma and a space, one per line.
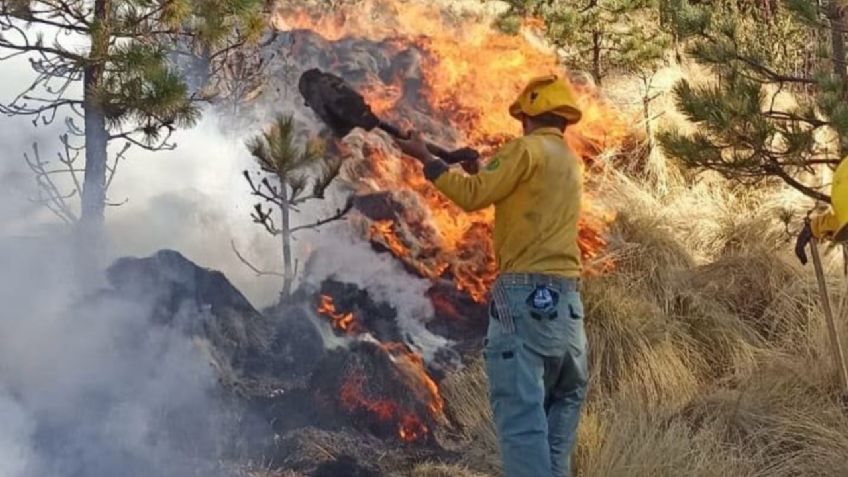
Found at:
[833, 223]
[535, 347]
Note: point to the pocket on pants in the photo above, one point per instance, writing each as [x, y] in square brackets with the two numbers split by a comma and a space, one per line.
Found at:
[501, 356]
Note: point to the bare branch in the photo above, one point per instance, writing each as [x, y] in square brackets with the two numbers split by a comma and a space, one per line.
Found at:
[48, 191]
[51, 109]
[271, 196]
[121, 155]
[339, 215]
[263, 218]
[249, 265]
[117, 204]
[775, 169]
[69, 159]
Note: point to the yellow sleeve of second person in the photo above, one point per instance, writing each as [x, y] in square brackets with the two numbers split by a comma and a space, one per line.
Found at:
[824, 225]
[510, 166]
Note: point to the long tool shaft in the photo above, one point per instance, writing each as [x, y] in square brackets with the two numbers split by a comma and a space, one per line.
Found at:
[451, 157]
[838, 354]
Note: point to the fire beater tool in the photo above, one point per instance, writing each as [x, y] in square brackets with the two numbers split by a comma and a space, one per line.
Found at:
[806, 237]
[342, 109]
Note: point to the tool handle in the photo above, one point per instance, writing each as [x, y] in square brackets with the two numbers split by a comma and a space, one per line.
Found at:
[457, 156]
[838, 353]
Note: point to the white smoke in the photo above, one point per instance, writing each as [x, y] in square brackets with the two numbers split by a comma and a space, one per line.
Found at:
[88, 386]
[383, 277]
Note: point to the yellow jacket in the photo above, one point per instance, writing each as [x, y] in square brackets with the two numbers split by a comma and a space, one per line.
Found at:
[535, 184]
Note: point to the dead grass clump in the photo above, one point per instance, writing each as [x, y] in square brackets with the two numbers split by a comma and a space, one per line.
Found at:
[740, 233]
[634, 349]
[786, 415]
[307, 449]
[637, 442]
[466, 396]
[726, 344]
[429, 469]
[746, 284]
[647, 255]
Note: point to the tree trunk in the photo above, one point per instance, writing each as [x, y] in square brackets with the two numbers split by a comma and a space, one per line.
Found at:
[596, 56]
[288, 273]
[96, 136]
[837, 40]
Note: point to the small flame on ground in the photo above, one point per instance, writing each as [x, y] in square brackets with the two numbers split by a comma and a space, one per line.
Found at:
[411, 367]
[344, 322]
[410, 427]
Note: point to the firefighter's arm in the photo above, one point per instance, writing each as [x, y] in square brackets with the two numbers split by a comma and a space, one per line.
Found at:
[510, 166]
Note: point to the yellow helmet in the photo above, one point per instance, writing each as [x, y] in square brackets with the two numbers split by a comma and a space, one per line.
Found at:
[839, 200]
[547, 94]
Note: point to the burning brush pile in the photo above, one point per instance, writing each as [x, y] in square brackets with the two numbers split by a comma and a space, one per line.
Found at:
[452, 77]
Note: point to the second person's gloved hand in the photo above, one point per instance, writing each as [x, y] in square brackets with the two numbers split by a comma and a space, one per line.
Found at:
[804, 237]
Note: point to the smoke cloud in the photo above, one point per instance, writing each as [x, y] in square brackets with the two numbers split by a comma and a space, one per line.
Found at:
[89, 387]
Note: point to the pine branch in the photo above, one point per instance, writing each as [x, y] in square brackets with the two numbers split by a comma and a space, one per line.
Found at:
[160, 144]
[787, 116]
[773, 167]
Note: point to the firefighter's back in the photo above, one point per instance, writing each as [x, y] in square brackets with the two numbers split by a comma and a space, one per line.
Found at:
[536, 225]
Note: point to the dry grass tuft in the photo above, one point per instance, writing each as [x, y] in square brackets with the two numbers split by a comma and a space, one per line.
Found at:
[636, 442]
[467, 396]
[647, 255]
[442, 470]
[634, 348]
[787, 414]
[748, 285]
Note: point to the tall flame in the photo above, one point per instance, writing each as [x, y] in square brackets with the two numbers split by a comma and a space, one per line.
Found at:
[469, 75]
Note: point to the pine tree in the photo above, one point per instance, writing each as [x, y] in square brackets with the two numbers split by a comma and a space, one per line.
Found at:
[110, 64]
[746, 126]
[600, 36]
[284, 182]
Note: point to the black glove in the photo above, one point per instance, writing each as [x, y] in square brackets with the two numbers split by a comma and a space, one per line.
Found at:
[804, 237]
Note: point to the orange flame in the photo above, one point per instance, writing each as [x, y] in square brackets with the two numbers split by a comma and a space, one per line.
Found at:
[410, 427]
[412, 370]
[341, 321]
[469, 75]
[411, 366]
